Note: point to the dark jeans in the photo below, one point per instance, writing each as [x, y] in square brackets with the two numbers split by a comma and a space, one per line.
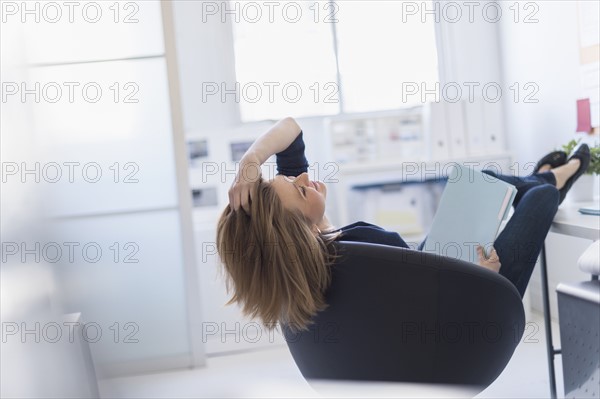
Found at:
[520, 243]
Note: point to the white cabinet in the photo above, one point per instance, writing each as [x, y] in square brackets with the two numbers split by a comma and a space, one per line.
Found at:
[109, 172]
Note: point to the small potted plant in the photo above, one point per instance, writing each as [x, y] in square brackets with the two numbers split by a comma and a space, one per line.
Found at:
[585, 188]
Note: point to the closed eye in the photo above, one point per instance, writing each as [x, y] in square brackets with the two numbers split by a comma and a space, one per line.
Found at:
[302, 189]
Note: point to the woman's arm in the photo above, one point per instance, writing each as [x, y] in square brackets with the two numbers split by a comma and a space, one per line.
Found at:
[273, 141]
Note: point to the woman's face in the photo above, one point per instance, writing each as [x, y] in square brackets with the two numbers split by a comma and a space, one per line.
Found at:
[302, 194]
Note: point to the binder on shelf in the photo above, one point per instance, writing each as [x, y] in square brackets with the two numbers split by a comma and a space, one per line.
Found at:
[471, 210]
[456, 129]
[474, 126]
[438, 132]
[494, 127]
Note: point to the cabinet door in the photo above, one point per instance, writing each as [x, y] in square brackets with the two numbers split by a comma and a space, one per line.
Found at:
[109, 173]
[119, 147]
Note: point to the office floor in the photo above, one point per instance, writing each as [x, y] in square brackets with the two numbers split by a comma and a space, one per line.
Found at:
[272, 373]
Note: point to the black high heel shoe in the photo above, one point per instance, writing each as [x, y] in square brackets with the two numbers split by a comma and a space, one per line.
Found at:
[581, 152]
[554, 159]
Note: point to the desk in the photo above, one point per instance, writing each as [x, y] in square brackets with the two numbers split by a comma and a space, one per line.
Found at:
[568, 221]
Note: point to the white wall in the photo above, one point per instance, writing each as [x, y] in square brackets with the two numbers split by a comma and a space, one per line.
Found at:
[204, 54]
[546, 53]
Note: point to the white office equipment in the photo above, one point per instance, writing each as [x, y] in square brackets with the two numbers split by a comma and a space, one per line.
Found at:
[589, 261]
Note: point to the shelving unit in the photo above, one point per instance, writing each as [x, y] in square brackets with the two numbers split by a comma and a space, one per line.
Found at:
[408, 146]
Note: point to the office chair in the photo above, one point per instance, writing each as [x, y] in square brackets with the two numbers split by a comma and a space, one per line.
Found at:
[403, 315]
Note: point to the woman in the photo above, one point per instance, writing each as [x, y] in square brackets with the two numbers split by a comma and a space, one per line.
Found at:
[275, 240]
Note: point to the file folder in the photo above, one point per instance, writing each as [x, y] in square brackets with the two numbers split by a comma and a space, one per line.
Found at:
[471, 209]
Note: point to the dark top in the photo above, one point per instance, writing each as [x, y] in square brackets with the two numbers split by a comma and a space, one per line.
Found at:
[292, 162]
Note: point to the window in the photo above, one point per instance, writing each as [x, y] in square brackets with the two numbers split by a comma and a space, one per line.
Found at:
[321, 58]
[284, 67]
[378, 52]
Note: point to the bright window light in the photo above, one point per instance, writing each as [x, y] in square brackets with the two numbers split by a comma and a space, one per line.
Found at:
[289, 68]
[378, 52]
[282, 67]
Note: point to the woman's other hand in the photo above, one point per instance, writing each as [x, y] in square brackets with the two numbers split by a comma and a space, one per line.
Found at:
[492, 262]
[240, 193]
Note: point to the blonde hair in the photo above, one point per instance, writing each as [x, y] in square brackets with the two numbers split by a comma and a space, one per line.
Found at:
[276, 268]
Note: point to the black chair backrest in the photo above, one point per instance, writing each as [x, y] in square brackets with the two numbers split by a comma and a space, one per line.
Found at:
[399, 314]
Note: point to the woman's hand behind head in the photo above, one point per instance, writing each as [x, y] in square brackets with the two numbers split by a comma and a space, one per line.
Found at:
[241, 191]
